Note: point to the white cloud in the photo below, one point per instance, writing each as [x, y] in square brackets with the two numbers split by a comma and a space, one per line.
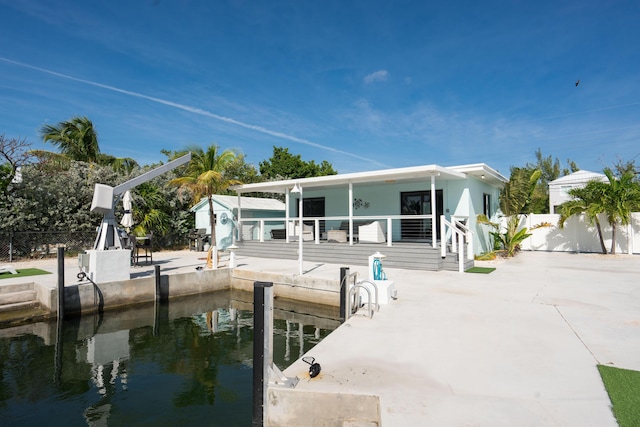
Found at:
[378, 76]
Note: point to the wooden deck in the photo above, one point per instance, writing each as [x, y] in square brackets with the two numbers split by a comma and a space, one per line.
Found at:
[411, 256]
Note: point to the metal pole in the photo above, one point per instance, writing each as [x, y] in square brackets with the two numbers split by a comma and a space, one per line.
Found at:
[60, 283]
[157, 273]
[262, 312]
[344, 274]
[11, 246]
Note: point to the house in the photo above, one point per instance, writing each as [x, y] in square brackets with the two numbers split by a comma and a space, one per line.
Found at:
[385, 207]
[559, 188]
[226, 209]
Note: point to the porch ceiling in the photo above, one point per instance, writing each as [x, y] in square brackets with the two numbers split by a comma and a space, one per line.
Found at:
[411, 174]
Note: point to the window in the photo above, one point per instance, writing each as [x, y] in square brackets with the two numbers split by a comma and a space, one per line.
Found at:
[486, 204]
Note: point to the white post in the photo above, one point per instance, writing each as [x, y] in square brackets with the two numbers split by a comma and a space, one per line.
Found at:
[433, 211]
[389, 231]
[460, 254]
[316, 231]
[351, 213]
[261, 230]
[239, 217]
[286, 215]
[298, 189]
[443, 237]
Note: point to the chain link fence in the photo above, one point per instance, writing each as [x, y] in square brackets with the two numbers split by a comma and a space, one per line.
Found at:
[24, 245]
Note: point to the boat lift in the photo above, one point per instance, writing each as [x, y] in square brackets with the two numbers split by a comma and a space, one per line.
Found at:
[109, 260]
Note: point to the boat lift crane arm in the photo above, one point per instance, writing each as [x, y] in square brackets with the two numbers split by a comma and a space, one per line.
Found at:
[105, 198]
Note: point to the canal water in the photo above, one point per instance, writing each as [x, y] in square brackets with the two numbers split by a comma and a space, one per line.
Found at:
[183, 363]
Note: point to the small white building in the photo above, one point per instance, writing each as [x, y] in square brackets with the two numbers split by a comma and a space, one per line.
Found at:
[226, 209]
[559, 188]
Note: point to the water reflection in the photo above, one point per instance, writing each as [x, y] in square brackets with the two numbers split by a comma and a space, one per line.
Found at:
[185, 363]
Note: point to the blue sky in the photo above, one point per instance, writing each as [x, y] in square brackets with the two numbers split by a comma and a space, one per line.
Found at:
[363, 84]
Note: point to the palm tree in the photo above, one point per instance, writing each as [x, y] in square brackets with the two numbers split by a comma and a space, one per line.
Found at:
[514, 200]
[205, 176]
[622, 198]
[585, 200]
[616, 199]
[77, 139]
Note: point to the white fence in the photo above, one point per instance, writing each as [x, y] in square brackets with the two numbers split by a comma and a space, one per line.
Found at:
[578, 236]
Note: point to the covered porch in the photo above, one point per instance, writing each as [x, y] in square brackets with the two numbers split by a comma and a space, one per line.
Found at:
[428, 205]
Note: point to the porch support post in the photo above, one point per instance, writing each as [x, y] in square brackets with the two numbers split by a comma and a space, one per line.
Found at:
[434, 235]
[239, 217]
[286, 214]
[350, 213]
[300, 232]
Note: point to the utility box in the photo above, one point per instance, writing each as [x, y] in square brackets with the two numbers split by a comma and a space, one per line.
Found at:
[83, 262]
[109, 266]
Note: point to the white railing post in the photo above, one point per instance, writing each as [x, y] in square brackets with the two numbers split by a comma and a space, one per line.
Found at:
[443, 236]
[454, 237]
[261, 230]
[389, 231]
[316, 230]
[460, 254]
[470, 251]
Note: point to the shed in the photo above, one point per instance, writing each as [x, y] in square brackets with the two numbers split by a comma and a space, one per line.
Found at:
[559, 188]
[226, 209]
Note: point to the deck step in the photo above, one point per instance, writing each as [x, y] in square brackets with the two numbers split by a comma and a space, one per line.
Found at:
[17, 297]
[19, 306]
[412, 256]
[15, 287]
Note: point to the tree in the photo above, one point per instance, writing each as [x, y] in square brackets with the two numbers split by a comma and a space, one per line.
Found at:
[284, 165]
[77, 139]
[205, 176]
[551, 169]
[47, 200]
[516, 195]
[616, 199]
[514, 200]
[14, 153]
[585, 200]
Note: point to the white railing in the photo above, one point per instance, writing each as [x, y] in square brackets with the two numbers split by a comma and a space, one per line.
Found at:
[457, 232]
[389, 228]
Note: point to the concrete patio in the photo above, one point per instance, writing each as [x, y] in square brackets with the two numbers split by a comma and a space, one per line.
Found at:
[517, 347]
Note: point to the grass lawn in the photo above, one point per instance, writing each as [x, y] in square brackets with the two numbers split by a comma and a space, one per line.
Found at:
[481, 270]
[23, 272]
[623, 387]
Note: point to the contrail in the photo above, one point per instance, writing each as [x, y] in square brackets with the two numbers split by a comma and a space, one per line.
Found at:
[588, 111]
[194, 110]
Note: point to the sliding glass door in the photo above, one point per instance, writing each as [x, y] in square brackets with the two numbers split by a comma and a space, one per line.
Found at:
[419, 203]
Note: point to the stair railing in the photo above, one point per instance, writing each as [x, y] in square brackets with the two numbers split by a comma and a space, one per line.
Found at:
[459, 233]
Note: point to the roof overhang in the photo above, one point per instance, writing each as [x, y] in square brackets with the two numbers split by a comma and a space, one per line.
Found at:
[483, 172]
[404, 175]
